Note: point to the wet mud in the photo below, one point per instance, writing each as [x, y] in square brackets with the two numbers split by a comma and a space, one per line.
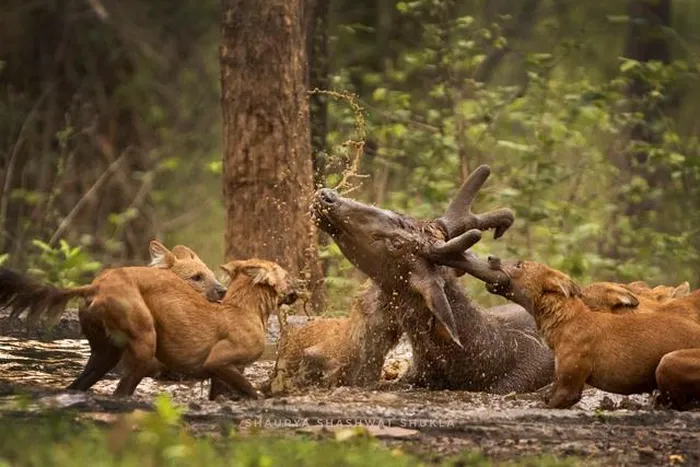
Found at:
[603, 429]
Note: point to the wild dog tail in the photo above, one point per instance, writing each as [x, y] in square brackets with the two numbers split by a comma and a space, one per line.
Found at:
[19, 292]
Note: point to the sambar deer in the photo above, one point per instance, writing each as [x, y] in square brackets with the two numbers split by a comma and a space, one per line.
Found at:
[20, 292]
[614, 352]
[456, 344]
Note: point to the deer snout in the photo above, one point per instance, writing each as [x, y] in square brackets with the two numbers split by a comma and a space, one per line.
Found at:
[327, 196]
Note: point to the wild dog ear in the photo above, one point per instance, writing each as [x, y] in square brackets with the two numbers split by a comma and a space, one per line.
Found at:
[682, 290]
[161, 257]
[260, 274]
[183, 252]
[622, 298]
[561, 284]
[639, 285]
[432, 288]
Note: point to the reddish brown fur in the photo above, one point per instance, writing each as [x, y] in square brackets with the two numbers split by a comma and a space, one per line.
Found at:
[634, 297]
[616, 353]
[336, 351]
[190, 335]
[42, 300]
[181, 261]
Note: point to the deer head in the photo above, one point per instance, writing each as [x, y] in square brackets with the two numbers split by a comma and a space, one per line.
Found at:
[400, 252]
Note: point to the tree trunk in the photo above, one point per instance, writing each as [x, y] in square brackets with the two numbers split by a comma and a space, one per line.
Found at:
[268, 177]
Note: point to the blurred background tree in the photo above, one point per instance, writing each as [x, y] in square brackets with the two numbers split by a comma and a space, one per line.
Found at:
[110, 127]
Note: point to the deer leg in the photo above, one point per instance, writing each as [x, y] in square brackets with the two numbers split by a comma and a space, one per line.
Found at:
[678, 377]
[224, 363]
[570, 378]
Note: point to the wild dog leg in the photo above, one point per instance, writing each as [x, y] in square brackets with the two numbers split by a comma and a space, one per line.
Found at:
[231, 376]
[678, 377]
[101, 360]
[222, 362]
[220, 388]
[139, 359]
[571, 375]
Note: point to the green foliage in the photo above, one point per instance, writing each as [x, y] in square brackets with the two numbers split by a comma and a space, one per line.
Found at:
[64, 266]
[595, 152]
[160, 438]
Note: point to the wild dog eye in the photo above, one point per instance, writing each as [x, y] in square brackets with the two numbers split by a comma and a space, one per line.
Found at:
[197, 277]
[519, 264]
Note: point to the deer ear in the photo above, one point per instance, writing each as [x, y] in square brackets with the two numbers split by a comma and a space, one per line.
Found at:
[182, 252]
[161, 257]
[682, 290]
[431, 288]
[561, 284]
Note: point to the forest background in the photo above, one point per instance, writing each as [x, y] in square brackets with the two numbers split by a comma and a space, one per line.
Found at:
[111, 129]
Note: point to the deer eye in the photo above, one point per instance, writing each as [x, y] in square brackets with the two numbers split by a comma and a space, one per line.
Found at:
[197, 277]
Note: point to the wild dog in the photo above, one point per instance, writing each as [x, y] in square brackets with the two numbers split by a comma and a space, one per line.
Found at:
[633, 297]
[19, 292]
[456, 344]
[678, 377]
[192, 336]
[331, 352]
[614, 352]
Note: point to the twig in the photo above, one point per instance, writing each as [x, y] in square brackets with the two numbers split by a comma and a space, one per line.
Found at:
[99, 183]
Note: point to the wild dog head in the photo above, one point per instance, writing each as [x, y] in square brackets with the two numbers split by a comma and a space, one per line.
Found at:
[187, 265]
[266, 274]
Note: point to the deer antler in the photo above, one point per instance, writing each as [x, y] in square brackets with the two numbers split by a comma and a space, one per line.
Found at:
[454, 254]
[459, 218]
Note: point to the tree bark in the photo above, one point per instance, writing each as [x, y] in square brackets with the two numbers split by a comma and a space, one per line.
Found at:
[268, 177]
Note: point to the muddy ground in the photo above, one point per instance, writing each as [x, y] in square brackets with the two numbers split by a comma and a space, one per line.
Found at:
[602, 429]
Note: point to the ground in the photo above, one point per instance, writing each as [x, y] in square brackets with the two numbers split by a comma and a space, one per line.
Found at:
[603, 428]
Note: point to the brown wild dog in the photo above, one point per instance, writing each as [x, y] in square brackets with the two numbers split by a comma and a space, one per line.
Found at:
[332, 352]
[678, 377]
[636, 296]
[20, 292]
[192, 336]
[614, 352]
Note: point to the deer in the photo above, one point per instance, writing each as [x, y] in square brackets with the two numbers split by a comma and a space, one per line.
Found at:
[621, 353]
[456, 344]
[23, 293]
